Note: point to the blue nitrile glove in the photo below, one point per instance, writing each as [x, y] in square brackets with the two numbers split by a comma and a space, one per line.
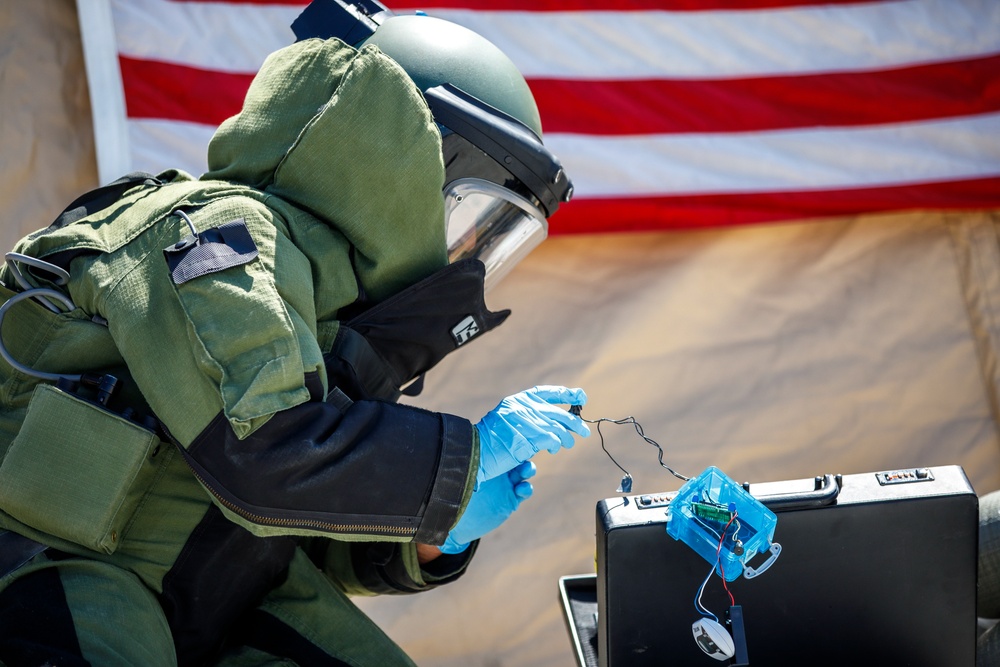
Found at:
[490, 506]
[525, 424]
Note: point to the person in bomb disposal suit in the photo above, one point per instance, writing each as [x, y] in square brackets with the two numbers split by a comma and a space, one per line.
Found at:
[202, 452]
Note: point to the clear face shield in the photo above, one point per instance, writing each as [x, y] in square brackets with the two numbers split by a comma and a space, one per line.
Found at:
[489, 222]
[502, 183]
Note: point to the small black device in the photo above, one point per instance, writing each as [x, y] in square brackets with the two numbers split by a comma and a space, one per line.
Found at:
[352, 22]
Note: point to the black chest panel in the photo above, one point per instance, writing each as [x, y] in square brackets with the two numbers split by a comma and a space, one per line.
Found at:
[388, 345]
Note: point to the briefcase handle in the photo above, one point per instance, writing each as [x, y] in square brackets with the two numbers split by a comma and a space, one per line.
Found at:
[827, 488]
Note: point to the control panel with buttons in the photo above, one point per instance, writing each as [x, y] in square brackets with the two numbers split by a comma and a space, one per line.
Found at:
[904, 476]
[649, 501]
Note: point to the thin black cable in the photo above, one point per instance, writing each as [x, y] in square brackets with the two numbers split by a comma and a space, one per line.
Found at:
[614, 507]
[601, 435]
[638, 429]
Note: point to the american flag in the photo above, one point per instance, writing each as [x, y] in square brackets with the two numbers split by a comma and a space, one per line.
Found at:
[665, 113]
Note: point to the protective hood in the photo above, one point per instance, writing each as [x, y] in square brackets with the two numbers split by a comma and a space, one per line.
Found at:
[346, 136]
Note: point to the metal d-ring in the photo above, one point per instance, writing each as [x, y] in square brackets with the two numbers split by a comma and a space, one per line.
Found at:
[61, 274]
[34, 293]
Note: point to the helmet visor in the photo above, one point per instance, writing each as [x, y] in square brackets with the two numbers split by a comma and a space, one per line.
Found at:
[492, 224]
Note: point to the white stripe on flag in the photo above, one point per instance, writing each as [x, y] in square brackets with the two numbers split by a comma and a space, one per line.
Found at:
[782, 161]
[208, 35]
[166, 144]
[723, 44]
[236, 37]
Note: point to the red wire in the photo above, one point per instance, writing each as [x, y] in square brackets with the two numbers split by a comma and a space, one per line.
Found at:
[718, 559]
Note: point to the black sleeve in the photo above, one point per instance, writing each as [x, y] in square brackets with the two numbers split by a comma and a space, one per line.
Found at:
[383, 568]
[369, 469]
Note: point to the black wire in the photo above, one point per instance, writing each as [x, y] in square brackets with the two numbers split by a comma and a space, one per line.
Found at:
[638, 429]
[614, 507]
[598, 422]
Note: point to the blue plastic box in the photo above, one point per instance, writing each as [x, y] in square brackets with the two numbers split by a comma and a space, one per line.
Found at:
[711, 509]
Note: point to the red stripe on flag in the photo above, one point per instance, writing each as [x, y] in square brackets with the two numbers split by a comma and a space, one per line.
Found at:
[302, 3]
[177, 92]
[597, 216]
[608, 5]
[576, 5]
[739, 105]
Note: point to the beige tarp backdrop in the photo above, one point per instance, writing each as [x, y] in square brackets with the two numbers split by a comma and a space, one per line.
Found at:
[773, 352]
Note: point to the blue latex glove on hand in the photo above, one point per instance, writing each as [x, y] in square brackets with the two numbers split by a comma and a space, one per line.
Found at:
[524, 424]
[490, 506]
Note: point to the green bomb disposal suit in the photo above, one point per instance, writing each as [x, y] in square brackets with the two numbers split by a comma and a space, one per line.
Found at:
[279, 475]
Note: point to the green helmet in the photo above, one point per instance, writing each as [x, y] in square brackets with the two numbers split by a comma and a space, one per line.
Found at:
[434, 51]
[501, 182]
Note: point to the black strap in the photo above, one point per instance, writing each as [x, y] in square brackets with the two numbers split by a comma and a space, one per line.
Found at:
[89, 203]
[99, 198]
[16, 550]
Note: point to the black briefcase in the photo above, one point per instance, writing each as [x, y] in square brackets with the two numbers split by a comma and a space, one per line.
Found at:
[875, 569]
